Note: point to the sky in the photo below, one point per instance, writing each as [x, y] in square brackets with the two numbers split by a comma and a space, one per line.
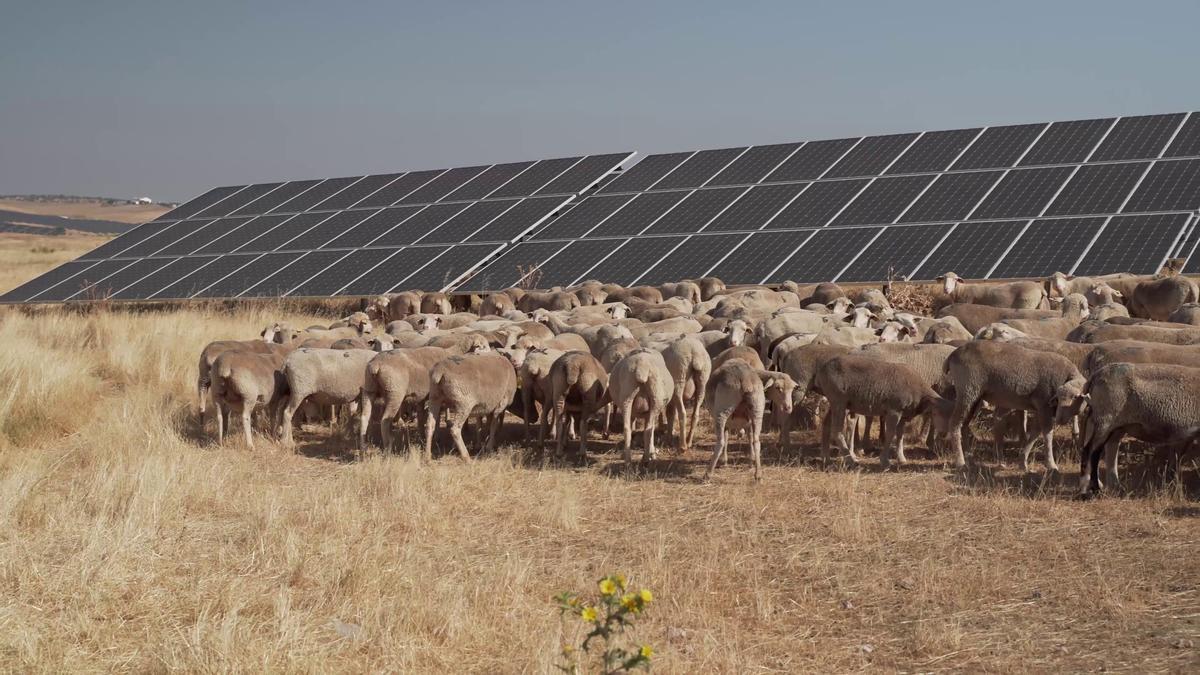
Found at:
[167, 99]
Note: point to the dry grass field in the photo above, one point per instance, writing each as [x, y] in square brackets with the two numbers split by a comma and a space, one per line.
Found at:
[129, 541]
[86, 209]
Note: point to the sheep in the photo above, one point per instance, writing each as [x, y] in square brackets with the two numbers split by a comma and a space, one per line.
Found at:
[590, 294]
[533, 380]
[209, 355]
[926, 360]
[681, 289]
[1132, 351]
[1187, 314]
[1154, 403]
[1157, 298]
[801, 365]
[690, 367]
[863, 385]
[731, 334]
[823, 294]
[350, 343]
[397, 306]
[641, 380]
[471, 385]
[1065, 285]
[1013, 378]
[436, 303]
[1108, 311]
[565, 342]
[327, 376]
[549, 300]
[1015, 295]
[736, 395]
[973, 316]
[677, 325]
[496, 304]
[1075, 310]
[743, 352]
[647, 293]
[1078, 354]
[770, 332]
[242, 381]
[578, 383]
[709, 287]
[1096, 331]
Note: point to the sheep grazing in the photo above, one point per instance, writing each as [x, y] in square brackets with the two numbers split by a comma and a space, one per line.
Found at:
[1158, 298]
[640, 384]
[1132, 351]
[690, 367]
[496, 304]
[863, 385]
[578, 385]
[1154, 403]
[1015, 295]
[736, 396]
[242, 381]
[1074, 310]
[329, 377]
[1012, 378]
[209, 355]
[471, 385]
[1186, 314]
[397, 380]
[436, 303]
[1096, 331]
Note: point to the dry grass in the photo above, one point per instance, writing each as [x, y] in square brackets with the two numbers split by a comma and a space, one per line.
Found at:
[25, 256]
[128, 542]
[86, 209]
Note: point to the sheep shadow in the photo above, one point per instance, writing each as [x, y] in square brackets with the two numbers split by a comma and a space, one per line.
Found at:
[1140, 478]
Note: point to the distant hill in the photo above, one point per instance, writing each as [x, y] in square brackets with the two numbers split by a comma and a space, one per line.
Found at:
[57, 214]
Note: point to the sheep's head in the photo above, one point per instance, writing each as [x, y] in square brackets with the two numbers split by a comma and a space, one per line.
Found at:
[541, 315]
[736, 330]
[1102, 294]
[268, 333]
[1058, 282]
[1000, 332]
[950, 281]
[779, 389]
[860, 317]
[515, 356]
[526, 342]
[894, 331]
[477, 344]
[618, 310]
[1068, 398]
[840, 305]
[382, 343]
[939, 333]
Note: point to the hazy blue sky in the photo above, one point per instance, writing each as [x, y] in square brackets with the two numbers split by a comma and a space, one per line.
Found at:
[167, 99]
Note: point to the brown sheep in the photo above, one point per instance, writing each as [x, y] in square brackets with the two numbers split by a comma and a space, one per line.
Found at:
[1158, 298]
[579, 384]
[736, 395]
[743, 352]
[863, 385]
[1012, 378]
[1154, 403]
[242, 381]
[1132, 351]
[496, 304]
[214, 349]
[436, 303]
[682, 289]
[328, 377]
[709, 287]
[471, 385]
[1098, 331]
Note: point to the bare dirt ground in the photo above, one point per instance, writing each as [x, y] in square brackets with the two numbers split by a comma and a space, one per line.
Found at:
[130, 541]
[86, 209]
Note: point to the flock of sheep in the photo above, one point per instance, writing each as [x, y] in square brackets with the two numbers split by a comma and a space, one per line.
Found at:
[1112, 356]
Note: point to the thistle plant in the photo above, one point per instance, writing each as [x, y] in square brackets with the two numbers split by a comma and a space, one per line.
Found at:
[606, 616]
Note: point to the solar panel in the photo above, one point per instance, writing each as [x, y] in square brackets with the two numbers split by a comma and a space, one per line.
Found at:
[823, 256]
[897, 250]
[971, 250]
[514, 264]
[1048, 246]
[984, 202]
[1133, 244]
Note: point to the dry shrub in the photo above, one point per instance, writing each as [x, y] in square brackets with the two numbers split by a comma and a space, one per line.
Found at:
[531, 276]
[908, 296]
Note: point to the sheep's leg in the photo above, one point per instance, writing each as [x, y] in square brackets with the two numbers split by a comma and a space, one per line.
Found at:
[431, 419]
[527, 405]
[1111, 474]
[785, 435]
[756, 423]
[627, 420]
[387, 419]
[1029, 441]
[220, 423]
[289, 417]
[494, 421]
[1047, 428]
[543, 423]
[456, 422]
[247, 414]
[891, 434]
[697, 401]
[900, 427]
[585, 412]
[560, 441]
[719, 421]
[364, 421]
[964, 403]
[827, 432]
[649, 453]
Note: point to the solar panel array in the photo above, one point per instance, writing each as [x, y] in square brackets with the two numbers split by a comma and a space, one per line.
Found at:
[358, 235]
[1085, 196]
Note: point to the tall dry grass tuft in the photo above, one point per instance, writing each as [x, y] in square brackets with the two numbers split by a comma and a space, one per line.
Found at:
[128, 542]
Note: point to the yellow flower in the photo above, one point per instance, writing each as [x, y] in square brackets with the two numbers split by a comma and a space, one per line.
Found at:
[588, 614]
[646, 651]
[630, 602]
[620, 578]
[568, 650]
[607, 587]
[646, 595]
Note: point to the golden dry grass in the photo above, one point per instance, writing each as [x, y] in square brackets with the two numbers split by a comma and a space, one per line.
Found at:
[25, 256]
[129, 542]
[86, 209]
